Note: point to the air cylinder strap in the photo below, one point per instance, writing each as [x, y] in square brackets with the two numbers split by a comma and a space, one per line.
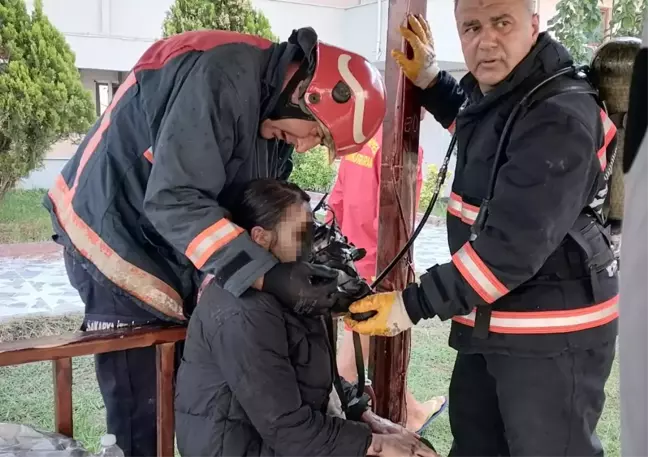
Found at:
[337, 383]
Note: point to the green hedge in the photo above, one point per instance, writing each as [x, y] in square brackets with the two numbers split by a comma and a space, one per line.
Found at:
[427, 189]
[312, 171]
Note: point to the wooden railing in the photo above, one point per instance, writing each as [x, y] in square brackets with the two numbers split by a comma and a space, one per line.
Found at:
[62, 348]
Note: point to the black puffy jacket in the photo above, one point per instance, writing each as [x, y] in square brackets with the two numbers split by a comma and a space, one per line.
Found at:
[255, 380]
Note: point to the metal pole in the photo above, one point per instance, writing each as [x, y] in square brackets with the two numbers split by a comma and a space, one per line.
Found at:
[390, 356]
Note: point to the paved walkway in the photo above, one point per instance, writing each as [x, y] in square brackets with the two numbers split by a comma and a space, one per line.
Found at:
[33, 279]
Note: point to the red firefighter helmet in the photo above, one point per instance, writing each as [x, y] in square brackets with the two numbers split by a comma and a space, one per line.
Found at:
[347, 96]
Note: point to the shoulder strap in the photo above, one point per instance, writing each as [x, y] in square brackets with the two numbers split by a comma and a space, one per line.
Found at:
[572, 88]
[542, 91]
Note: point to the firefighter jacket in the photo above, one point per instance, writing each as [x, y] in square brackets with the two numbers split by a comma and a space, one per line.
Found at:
[524, 276]
[140, 201]
[355, 196]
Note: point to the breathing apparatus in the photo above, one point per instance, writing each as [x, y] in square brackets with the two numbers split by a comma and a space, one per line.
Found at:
[611, 72]
[333, 249]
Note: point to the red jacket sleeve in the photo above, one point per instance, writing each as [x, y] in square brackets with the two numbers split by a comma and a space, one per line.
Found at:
[335, 198]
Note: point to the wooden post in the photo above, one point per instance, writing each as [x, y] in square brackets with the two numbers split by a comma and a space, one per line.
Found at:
[62, 371]
[165, 419]
[390, 356]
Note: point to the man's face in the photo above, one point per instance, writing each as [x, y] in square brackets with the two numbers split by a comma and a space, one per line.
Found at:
[302, 134]
[495, 36]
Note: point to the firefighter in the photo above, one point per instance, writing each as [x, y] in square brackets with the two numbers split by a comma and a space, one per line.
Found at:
[532, 285]
[354, 205]
[633, 339]
[138, 207]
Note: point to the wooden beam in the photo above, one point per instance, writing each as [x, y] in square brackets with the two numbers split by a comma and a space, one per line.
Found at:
[86, 343]
[63, 420]
[61, 348]
[390, 356]
[165, 395]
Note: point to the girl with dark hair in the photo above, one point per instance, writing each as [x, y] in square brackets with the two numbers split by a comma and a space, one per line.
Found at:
[257, 378]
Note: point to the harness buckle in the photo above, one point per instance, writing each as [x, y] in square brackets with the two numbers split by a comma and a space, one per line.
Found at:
[482, 322]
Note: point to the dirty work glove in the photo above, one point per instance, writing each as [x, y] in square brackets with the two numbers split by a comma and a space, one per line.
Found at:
[422, 69]
[391, 317]
[304, 287]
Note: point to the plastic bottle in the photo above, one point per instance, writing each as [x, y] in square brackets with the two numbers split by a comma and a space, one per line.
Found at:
[109, 447]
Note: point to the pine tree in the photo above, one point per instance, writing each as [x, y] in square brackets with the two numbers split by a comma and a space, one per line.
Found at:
[42, 99]
[233, 15]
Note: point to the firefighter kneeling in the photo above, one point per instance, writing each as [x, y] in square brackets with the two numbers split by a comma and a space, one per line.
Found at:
[532, 285]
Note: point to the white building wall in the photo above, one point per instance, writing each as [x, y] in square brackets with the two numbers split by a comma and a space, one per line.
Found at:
[43, 177]
[285, 17]
[112, 34]
[108, 36]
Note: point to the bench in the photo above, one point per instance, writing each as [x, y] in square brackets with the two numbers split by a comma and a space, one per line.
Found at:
[60, 349]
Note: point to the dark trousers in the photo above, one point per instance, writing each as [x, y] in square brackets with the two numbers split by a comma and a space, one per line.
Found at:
[522, 406]
[127, 379]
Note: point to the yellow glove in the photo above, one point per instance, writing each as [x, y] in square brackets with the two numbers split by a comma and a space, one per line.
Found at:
[392, 317]
[422, 69]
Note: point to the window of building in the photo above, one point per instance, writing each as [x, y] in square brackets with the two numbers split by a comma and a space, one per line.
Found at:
[103, 96]
[104, 93]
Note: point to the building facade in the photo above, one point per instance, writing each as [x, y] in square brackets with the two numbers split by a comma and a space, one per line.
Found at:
[108, 36]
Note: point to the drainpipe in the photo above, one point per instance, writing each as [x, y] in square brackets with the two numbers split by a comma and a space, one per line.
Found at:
[379, 31]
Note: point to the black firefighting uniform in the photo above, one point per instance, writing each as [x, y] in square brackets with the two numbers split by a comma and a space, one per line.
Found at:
[138, 207]
[534, 315]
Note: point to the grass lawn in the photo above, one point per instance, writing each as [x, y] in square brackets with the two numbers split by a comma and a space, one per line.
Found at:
[23, 218]
[26, 391]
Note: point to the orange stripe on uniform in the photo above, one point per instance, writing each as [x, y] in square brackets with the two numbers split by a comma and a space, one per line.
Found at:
[464, 211]
[478, 275]
[547, 322]
[148, 155]
[95, 139]
[211, 240]
[609, 130]
[128, 277]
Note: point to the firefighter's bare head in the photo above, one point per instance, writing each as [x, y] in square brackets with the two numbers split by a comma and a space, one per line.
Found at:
[278, 217]
[332, 97]
[495, 36]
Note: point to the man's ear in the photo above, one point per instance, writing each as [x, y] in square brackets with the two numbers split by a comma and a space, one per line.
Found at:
[262, 237]
[535, 24]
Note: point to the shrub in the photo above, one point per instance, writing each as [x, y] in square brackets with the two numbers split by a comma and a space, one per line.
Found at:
[427, 189]
[233, 15]
[312, 171]
[42, 99]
